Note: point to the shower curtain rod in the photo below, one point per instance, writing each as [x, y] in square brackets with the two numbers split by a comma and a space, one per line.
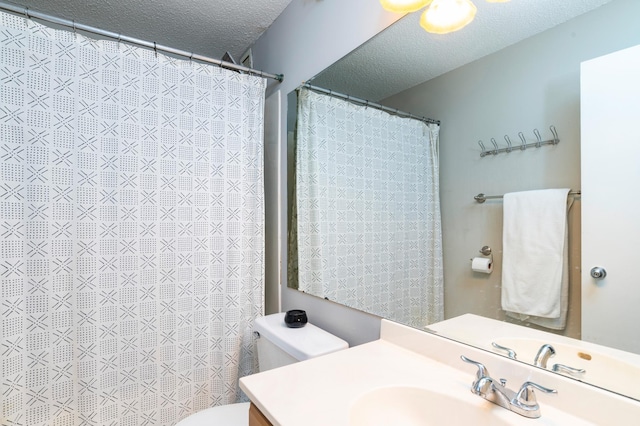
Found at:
[152, 45]
[369, 104]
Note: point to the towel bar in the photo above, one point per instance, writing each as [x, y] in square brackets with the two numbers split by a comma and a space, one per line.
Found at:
[481, 198]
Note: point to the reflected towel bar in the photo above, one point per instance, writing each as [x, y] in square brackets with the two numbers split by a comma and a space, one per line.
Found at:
[481, 198]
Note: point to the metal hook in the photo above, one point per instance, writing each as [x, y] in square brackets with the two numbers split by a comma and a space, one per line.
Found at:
[191, 57]
[73, 23]
[155, 48]
[556, 140]
[26, 13]
[506, 138]
[523, 145]
[366, 105]
[484, 150]
[538, 137]
[495, 145]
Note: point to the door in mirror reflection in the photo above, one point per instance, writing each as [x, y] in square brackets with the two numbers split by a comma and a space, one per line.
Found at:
[610, 105]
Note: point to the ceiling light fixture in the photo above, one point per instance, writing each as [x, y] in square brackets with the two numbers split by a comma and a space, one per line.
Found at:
[404, 6]
[441, 16]
[445, 16]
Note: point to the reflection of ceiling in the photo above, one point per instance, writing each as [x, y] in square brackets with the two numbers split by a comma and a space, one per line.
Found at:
[404, 55]
[206, 27]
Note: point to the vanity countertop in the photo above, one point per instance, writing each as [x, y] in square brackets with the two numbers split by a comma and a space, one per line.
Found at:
[321, 391]
[480, 331]
[605, 367]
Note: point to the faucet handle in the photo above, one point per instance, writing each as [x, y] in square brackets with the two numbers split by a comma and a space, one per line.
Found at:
[482, 370]
[561, 368]
[526, 396]
[510, 352]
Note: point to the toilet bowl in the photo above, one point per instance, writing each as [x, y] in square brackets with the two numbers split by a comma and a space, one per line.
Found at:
[277, 346]
[222, 415]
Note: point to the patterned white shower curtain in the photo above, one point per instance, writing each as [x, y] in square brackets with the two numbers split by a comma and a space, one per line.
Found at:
[368, 209]
[131, 230]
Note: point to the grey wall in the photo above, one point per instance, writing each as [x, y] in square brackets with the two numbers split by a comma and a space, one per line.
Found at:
[533, 84]
[271, 183]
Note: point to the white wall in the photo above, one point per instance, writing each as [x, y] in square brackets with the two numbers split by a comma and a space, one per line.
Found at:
[533, 84]
[309, 36]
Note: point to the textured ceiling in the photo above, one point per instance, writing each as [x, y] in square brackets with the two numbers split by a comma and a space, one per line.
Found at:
[212, 27]
[205, 27]
[405, 49]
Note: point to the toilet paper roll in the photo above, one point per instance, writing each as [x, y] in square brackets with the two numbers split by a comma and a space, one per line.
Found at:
[482, 264]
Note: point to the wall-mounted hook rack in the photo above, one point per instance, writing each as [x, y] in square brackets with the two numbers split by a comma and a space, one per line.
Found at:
[523, 145]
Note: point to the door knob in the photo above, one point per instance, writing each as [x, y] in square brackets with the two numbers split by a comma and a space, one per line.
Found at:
[598, 272]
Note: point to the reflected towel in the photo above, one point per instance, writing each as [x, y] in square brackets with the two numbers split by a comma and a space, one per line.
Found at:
[561, 322]
[535, 256]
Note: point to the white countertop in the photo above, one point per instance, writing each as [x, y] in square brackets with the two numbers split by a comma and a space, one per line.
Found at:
[606, 367]
[480, 331]
[321, 391]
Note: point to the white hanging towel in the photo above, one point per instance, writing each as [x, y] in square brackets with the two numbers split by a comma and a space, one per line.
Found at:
[534, 266]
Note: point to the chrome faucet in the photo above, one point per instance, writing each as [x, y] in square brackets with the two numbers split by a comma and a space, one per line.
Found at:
[522, 402]
[544, 353]
[547, 351]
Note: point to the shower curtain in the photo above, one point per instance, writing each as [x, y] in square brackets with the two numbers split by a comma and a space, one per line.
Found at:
[131, 224]
[368, 210]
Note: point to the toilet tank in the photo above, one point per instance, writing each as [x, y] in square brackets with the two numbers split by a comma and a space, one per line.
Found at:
[279, 345]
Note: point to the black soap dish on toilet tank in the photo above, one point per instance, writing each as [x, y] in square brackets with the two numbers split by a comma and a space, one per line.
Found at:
[295, 318]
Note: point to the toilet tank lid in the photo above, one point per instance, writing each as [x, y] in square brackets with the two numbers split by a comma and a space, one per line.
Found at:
[301, 343]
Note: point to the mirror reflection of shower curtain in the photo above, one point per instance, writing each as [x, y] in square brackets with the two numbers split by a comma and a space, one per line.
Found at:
[132, 223]
[368, 210]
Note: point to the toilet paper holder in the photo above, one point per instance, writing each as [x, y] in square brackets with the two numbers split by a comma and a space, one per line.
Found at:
[486, 251]
[483, 264]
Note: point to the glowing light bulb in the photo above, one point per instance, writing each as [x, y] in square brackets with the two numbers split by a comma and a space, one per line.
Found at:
[404, 6]
[445, 16]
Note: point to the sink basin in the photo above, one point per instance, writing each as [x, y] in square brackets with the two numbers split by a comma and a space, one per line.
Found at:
[409, 406]
[601, 369]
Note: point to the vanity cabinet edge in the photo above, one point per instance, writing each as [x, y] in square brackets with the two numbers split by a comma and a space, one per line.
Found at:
[256, 418]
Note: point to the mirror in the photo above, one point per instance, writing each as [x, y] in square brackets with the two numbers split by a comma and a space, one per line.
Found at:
[502, 75]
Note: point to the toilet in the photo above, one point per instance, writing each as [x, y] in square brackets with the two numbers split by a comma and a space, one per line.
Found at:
[277, 346]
